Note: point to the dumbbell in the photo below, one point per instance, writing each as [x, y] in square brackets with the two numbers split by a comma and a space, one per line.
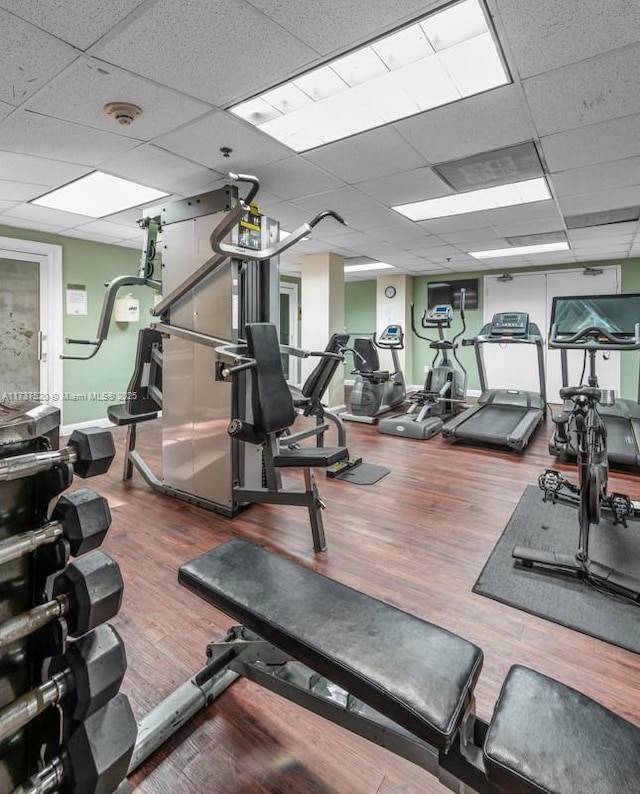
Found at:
[82, 680]
[96, 756]
[90, 451]
[82, 517]
[86, 593]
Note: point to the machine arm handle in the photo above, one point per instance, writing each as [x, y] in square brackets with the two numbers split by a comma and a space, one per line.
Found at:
[252, 180]
[591, 338]
[413, 325]
[107, 310]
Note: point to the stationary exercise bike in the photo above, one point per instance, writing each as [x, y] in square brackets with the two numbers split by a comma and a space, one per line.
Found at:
[591, 493]
[376, 391]
[445, 386]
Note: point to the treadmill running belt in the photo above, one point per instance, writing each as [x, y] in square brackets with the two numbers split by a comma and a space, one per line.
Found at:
[494, 423]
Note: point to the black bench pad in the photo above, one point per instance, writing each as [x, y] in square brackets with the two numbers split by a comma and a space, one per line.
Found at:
[310, 456]
[417, 674]
[546, 737]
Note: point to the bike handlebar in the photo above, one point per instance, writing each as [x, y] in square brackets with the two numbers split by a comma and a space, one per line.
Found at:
[591, 338]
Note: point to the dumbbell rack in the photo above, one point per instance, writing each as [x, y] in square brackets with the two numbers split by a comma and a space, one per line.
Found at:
[26, 428]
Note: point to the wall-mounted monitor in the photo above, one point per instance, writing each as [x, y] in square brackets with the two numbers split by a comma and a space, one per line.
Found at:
[617, 314]
[439, 292]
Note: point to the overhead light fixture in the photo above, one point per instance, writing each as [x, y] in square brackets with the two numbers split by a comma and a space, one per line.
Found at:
[521, 250]
[444, 57]
[366, 266]
[97, 195]
[488, 198]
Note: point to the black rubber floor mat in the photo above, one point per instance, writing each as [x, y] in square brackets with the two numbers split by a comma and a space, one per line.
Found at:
[568, 601]
[364, 474]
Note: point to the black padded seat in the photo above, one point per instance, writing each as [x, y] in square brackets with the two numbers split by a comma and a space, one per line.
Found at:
[310, 456]
[418, 675]
[299, 400]
[118, 415]
[379, 376]
[546, 738]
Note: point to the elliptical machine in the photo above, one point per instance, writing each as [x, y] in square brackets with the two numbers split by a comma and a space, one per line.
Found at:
[445, 387]
[376, 391]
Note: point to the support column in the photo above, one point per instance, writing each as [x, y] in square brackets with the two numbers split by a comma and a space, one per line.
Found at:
[396, 310]
[323, 313]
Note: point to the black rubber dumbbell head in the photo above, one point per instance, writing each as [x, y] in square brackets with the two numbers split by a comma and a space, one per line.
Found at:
[95, 664]
[98, 752]
[86, 518]
[94, 586]
[95, 450]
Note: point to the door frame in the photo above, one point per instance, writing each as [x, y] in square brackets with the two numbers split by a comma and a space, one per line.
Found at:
[290, 288]
[49, 256]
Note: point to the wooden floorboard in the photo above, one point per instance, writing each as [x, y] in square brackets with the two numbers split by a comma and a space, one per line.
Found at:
[417, 539]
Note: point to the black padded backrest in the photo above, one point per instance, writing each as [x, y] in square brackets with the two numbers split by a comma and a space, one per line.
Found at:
[318, 381]
[146, 373]
[271, 400]
[365, 348]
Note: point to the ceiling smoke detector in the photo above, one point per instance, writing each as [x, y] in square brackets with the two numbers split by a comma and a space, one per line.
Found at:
[125, 113]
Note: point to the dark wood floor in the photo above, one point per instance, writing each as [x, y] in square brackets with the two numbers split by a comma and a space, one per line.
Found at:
[417, 539]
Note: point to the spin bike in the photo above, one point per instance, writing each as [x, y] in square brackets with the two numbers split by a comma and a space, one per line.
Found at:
[591, 494]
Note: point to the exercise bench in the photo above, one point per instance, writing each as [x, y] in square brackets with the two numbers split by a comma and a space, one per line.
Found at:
[397, 680]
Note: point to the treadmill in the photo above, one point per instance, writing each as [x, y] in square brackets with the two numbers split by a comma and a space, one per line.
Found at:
[619, 313]
[502, 417]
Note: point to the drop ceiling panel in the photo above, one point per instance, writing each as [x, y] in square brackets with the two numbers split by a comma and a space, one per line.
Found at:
[82, 234]
[20, 191]
[79, 23]
[598, 143]
[620, 173]
[220, 50]
[5, 109]
[201, 140]
[47, 172]
[537, 211]
[484, 245]
[586, 93]
[158, 168]
[375, 153]
[605, 200]
[29, 58]
[334, 24]
[291, 216]
[35, 214]
[470, 220]
[416, 185]
[376, 218]
[469, 236]
[608, 231]
[29, 133]
[118, 231]
[344, 200]
[477, 124]
[547, 34]
[349, 240]
[93, 83]
[24, 223]
[6, 205]
[295, 177]
[511, 229]
[400, 235]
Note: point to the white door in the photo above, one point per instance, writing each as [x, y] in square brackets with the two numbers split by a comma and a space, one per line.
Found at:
[515, 366]
[30, 321]
[604, 282]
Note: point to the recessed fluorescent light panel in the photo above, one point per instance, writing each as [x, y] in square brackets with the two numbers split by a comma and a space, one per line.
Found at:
[522, 250]
[366, 266]
[98, 194]
[477, 200]
[444, 57]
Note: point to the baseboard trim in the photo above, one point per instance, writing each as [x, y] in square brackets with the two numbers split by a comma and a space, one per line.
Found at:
[66, 430]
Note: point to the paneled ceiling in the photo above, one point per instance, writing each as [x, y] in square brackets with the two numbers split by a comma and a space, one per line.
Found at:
[575, 92]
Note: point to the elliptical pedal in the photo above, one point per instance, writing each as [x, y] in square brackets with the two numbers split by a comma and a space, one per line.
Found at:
[343, 465]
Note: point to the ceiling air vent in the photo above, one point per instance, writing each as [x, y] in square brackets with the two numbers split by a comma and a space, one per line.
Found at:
[602, 218]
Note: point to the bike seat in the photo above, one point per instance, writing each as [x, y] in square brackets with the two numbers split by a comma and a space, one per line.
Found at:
[574, 393]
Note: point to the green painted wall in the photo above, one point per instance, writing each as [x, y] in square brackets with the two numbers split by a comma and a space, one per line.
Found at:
[90, 386]
[360, 307]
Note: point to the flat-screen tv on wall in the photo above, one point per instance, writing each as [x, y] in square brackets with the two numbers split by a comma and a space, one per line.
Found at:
[439, 292]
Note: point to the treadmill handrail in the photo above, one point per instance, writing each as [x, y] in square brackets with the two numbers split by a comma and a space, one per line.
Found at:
[595, 337]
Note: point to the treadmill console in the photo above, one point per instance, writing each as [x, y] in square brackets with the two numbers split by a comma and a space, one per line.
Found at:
[510, 324]
[439, 315]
